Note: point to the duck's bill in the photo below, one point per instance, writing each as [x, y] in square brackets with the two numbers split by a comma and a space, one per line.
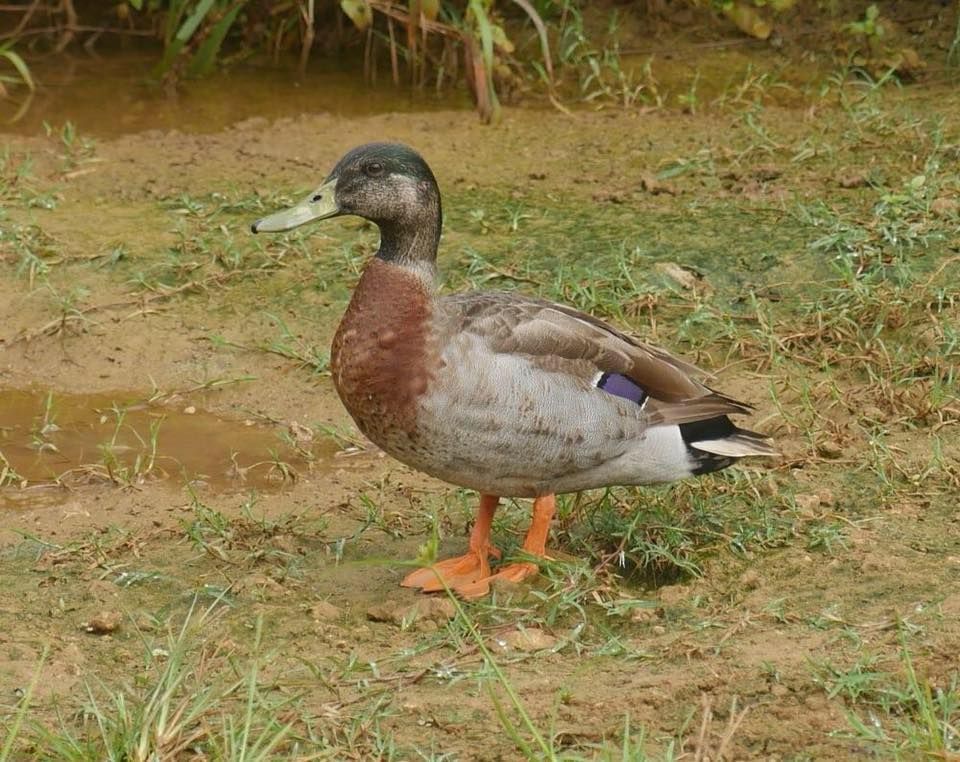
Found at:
[319, 205]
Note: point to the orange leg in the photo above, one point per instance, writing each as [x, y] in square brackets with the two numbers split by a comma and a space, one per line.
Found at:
[535, 544]
[466, 569]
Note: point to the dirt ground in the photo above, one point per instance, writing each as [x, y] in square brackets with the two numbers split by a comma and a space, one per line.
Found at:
[127, 275]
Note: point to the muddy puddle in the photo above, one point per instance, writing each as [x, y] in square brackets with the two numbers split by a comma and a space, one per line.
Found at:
[74, 439]
[75, 88]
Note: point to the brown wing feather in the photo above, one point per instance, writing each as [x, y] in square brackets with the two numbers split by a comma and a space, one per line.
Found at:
[560, 338]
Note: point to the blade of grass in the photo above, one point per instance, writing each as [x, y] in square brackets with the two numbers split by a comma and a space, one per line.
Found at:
[206, 56]
[19, 64]
[14, 730]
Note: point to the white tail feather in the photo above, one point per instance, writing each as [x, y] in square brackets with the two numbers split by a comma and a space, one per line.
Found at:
[736, 446]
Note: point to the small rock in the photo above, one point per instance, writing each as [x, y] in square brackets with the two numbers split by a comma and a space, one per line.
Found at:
[382, 612]
[645, 615]
[750, 579]
[301, 434]
[945, 207]
[526, 640]
[830, 449]
[189, 410]
[325, 611]
[687, 277]
[440, 610]
[506, 587]
[104, 623]
[850, 180]
[808, 504]
[437, 610]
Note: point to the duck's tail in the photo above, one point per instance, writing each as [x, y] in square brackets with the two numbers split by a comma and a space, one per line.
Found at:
[716, 443]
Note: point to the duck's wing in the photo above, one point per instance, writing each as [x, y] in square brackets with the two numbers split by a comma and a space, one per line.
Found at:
[559, 339]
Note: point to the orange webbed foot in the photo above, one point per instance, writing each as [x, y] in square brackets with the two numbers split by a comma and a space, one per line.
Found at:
[469, 575]
[512, 573]
[455, 572]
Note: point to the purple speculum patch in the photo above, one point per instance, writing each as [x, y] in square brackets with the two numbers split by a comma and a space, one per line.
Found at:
[622, 386]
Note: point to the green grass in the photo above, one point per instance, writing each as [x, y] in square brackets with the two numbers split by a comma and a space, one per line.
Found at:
[178, 704]
[903, 713]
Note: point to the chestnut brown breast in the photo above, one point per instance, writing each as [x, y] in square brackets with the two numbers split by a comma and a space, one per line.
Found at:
[381, 354]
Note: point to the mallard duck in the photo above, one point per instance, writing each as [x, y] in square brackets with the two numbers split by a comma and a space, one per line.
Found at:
[505, 394]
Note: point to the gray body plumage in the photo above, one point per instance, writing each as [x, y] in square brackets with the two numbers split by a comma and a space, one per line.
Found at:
[494, 391]
[513, 406]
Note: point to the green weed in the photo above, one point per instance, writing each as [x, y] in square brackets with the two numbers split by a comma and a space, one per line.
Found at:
[77, 149]
[904, 714]
[185, 701]
[13, 729]
[34, 252]
[21, 76]
[293, 347]
[115, 460]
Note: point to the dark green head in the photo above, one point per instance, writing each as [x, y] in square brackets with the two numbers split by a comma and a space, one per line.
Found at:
[387, 183]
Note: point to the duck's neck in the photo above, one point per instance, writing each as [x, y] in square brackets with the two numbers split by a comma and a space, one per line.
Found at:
[412, 242]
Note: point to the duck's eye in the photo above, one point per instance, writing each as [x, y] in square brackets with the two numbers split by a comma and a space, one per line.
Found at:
[373, 169]
[316, 198]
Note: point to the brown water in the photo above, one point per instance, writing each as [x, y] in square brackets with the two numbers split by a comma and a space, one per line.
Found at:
[73, 439]
[113, 95]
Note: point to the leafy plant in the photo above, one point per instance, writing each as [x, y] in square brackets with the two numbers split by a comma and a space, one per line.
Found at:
[475, 27]
[194, 33]
[870, 25]
[22, 77]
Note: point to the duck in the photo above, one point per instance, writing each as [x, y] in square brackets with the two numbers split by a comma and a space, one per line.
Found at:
[509, 395]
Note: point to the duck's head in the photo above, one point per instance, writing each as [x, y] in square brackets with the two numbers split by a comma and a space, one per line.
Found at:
[387, 183]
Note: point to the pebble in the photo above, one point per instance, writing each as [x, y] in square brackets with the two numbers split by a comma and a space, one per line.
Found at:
[103, 623]
[850, 180]
[945, 207]
[526, 640]
[750, 579]
[325, 611]
[645, 615]
[829, 448]
[436, 610]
